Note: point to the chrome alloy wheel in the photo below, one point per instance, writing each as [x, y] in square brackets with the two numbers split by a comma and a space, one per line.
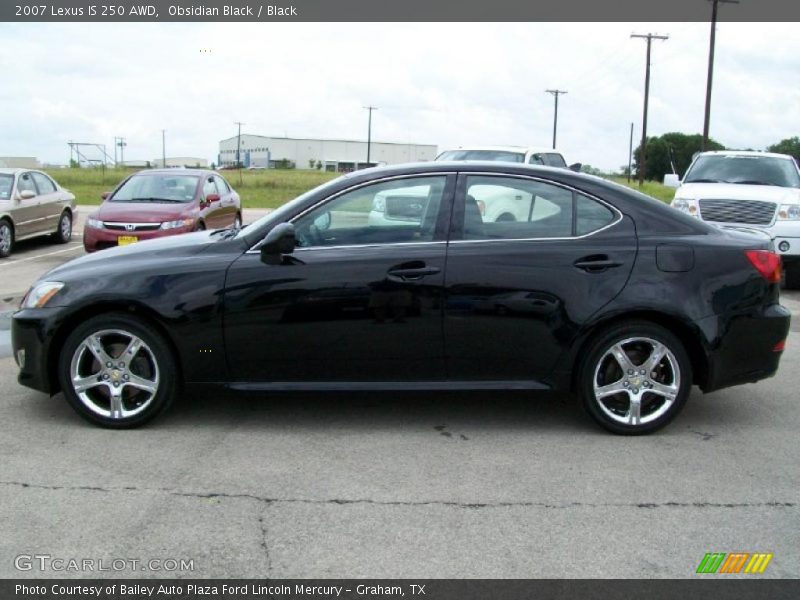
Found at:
[237, 222]
[636, 381]
[114, 374]
[5, 238]
[66, 227]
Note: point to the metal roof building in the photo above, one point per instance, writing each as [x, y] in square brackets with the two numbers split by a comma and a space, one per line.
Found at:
[262, 151]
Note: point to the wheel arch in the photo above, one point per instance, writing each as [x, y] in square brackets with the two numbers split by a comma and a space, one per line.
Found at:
[151, 317]
[689, 336]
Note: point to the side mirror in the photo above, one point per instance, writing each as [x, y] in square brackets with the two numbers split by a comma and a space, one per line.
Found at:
[281, 240]
[576, 167]
[26, 195]
[212, 198]
[672, 180]
[105, 195]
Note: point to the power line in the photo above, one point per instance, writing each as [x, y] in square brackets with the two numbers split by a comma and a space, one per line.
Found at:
[555, 94]
[643, 152]
[712, 40]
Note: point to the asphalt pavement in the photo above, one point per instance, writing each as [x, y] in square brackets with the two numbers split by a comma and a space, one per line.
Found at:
[398, 485]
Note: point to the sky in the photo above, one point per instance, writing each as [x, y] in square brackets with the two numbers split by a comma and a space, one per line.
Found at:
[446, 84]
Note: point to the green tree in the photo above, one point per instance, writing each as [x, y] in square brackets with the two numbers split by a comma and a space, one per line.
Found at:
[675, 147]
[789, 146]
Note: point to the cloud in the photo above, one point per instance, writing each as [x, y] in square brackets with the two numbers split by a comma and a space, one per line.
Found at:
[441, 83]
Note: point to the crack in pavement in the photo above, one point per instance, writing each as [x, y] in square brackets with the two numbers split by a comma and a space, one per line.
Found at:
[264, 545]
[446, 503]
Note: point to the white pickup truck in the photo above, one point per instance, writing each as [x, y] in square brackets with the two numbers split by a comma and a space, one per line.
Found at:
[758, 190]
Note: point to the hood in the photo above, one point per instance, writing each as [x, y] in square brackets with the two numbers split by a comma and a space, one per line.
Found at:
[142, 212]
[736, 191]
[161, 250]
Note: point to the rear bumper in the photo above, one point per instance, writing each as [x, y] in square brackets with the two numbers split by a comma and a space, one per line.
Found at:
[743, 347]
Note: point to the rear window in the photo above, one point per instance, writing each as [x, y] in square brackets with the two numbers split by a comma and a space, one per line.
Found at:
[744, 169]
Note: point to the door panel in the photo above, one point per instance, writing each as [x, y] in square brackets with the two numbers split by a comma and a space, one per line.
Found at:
[513, 305]
[49, 201]
[359, 300]
[336, 314]
[227, 203]
[29, 218]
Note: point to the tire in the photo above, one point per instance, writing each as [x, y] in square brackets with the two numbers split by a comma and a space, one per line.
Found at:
[128, 393]
[6, 238]
[660, 397]
[237, 222]
[791, 274]
[505, 218]
[200, 226]
[64, 232]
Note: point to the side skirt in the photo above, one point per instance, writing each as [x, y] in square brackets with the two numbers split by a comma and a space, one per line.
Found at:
[368, 386]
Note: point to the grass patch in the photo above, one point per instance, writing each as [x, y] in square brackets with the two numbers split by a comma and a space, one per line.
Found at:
[268, 188]
[657, 190]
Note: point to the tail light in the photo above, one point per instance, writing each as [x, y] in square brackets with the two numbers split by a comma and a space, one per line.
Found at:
[767, 263]
[780, 346]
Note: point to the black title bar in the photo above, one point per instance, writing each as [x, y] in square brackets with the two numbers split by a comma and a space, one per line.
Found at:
[400, 10]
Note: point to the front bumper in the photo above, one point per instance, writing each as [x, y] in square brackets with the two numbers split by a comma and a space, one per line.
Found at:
[32, 334]
[99, 239]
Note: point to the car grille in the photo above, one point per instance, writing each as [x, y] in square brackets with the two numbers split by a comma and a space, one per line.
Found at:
[751, 212]
[131, 227]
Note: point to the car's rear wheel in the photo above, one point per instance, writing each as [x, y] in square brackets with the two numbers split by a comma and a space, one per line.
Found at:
[237, 222]
[200, 226]
[64, 232]
[791, 274]
[636, 378]
[6, 238]
[117, 371]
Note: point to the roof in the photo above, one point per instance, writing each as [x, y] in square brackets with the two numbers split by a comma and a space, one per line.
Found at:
[13, 170]
[746, 153]
[522, 149]
[176, 171]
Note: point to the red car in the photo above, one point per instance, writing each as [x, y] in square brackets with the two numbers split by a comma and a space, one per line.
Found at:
[156, 203]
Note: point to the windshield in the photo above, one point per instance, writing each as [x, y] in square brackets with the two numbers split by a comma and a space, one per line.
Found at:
[494, 155]
[755, 170]
[157, 188]
[6, 183]
[277, 215]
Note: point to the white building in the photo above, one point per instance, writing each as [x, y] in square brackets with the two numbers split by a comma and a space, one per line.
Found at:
[19, 162]
[306, 153]
[189, 162]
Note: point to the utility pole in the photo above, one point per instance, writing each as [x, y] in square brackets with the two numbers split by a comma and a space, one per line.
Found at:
[369, 131]
[239, 149]
[630, 154]
[643, 156]
[712, 40]
[119, 141]
[555, 114]
[164, 148]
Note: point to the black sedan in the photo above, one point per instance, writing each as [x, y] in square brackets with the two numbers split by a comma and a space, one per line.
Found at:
[391, 278]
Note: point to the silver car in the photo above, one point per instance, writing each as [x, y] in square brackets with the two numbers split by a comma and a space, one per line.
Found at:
[32, 204]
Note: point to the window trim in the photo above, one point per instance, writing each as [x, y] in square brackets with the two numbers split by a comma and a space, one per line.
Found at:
[445, 198]
[461, 193]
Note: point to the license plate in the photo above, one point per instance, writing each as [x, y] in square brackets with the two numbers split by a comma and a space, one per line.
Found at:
[125, 240]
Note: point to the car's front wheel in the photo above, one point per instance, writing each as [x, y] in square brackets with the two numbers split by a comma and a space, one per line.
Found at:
[6, 238]
[117, 371]
[635, 378]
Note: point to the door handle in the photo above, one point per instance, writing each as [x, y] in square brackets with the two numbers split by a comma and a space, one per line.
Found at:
[412, 274]
[596, 264]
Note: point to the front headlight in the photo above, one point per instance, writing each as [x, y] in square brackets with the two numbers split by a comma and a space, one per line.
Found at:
[177, 224]
[40, 294]
[686, 205]
[95, 223]
[789, 212]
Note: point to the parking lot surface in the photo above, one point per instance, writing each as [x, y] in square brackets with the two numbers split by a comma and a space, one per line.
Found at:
[398, 485]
